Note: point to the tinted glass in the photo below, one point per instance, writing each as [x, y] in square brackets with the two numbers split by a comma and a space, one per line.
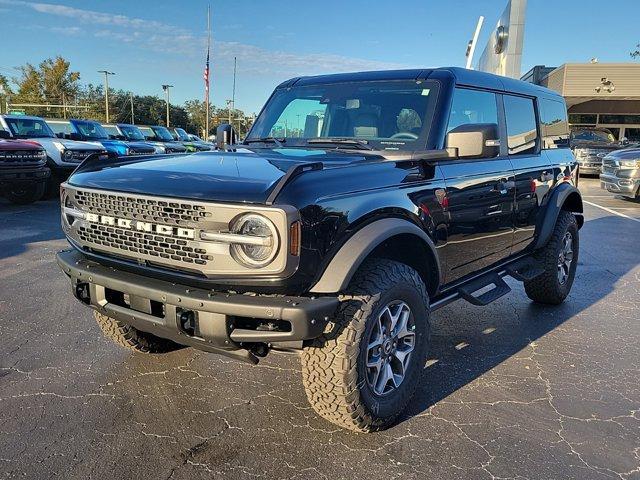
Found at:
[601, 135]
[522, 130]
[29, 128]
[389, 115]
[133, 133]
[583, 118]
[163, 133]
[555, 127]
[91, 130]
[620, 119]
[632, 134]
[111, 129]
[472, 106]
[60, 127]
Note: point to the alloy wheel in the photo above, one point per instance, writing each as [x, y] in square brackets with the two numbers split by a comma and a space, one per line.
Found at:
[389, 350]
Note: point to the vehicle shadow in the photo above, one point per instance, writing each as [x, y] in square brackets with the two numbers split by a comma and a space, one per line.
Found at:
[23, 225]
[469, 341]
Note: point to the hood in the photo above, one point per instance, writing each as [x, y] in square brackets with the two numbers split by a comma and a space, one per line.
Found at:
[241, 176]
[138, 144]
[626, 154]
[11, 145]
[69, 144]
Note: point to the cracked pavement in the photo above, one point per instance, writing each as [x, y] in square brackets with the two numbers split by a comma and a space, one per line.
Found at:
[513, 390]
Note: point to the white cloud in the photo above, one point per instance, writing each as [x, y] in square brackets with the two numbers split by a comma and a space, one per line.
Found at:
[163, 37]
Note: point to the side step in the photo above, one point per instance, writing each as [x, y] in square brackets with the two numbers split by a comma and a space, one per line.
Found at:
[500, 289]
[524, 270]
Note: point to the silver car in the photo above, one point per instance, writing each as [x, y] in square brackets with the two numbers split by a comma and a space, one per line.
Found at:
[621, 172]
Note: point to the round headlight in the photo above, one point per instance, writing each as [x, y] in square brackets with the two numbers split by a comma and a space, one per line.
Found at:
[258, 253]
[67, 156]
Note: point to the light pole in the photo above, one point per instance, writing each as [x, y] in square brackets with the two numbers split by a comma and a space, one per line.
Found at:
[166, 91]
[106, 90]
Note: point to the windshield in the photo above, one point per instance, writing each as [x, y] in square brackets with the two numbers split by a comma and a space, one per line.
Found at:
[60, 127]
[182, 135]
[133, 132]
[29, 128]
[389, 115]
[592, 135]
[92, 130]
[147, 132]
[163, 133]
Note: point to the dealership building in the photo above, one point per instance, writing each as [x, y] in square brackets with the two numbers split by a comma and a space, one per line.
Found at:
[597, 94]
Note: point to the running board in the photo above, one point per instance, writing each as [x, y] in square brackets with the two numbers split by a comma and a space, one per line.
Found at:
[499, 290]
[524, 270]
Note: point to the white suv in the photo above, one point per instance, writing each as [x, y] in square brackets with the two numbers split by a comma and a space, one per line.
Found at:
[63, 155]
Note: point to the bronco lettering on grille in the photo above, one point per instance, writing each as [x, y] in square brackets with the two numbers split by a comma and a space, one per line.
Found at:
[141, 226]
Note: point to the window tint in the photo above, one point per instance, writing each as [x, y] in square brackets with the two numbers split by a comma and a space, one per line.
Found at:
[555, 128]
[632, 134]
[522, 132]
[472, 106]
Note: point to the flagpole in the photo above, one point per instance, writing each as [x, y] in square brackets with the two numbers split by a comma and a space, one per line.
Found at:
[207, 86]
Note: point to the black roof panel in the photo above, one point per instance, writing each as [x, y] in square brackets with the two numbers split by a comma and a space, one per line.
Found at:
[462, 76]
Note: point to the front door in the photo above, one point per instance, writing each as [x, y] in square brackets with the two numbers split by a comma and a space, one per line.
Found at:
[479, 196]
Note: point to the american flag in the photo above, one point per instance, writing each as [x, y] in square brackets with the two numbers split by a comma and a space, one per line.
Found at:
[205, 76]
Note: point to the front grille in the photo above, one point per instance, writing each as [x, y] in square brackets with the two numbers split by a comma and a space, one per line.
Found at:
[143, 209]
[609, 170]
[22, 157]
[154, 245]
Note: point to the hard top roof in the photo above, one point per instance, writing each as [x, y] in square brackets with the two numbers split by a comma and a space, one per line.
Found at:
[461, 76]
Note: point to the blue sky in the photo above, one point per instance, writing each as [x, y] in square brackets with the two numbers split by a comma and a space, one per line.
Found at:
[148, 43]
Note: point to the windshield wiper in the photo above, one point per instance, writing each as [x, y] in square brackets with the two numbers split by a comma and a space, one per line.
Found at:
[278, 141]
[353, 142]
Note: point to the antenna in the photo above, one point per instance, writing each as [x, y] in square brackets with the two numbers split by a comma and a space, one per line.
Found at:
[471, 47]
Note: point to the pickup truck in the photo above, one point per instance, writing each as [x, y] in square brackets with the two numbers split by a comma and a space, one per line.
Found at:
[356, 206]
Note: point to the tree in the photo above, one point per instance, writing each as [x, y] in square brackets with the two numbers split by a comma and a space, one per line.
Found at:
[636, 52]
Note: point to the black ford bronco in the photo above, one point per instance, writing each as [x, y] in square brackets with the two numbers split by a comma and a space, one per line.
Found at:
[357, 205]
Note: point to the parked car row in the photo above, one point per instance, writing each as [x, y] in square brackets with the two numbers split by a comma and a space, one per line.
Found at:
[590, 145]
[64, 144]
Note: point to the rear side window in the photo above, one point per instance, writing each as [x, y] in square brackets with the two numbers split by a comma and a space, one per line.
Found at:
[555, 127]
[522, 131]
[472, 106]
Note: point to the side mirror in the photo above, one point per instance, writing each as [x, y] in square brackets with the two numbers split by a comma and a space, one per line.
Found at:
[74, 136]
[4, 134]
[225, 135]
[60, 134]
[475, 140]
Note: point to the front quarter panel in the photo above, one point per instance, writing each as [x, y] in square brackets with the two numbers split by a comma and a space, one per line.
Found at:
[335, 203]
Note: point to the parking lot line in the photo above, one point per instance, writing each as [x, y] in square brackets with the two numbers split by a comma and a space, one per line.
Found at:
[611, 211]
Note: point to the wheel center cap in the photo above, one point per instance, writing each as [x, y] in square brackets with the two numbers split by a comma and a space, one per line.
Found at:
[387, 346]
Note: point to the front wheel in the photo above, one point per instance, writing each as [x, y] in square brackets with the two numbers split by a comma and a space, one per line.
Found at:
[363, 373]
[559, 258]
[23, 194]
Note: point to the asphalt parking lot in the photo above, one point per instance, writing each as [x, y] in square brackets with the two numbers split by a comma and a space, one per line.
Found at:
[514, 390]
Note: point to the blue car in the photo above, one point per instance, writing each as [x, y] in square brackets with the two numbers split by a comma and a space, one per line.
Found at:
[91, 131]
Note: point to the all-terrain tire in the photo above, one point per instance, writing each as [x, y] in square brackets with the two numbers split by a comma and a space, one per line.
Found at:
[334, 369]
[129, 337]
[547, 288]
[24, 194]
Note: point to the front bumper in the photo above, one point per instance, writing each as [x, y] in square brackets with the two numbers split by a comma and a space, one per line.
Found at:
[24, 174]
[217, 322]
[624, 186]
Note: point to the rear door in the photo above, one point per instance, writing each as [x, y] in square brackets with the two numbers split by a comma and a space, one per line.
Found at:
[533, 170]
[480, 195]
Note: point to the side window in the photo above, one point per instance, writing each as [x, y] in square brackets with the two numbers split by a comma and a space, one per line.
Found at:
[555, 127]
[522, 131]
[472, 106]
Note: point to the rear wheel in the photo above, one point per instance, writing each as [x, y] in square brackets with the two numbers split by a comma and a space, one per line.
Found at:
[362, 374]
[129, 337]
[559, 258]
[25, 193]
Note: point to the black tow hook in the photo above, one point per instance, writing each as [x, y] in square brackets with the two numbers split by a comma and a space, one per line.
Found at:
[187, 320]
[82, 293]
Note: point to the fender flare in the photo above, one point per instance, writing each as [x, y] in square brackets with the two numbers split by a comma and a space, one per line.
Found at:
[347, 260]
[554, 205]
